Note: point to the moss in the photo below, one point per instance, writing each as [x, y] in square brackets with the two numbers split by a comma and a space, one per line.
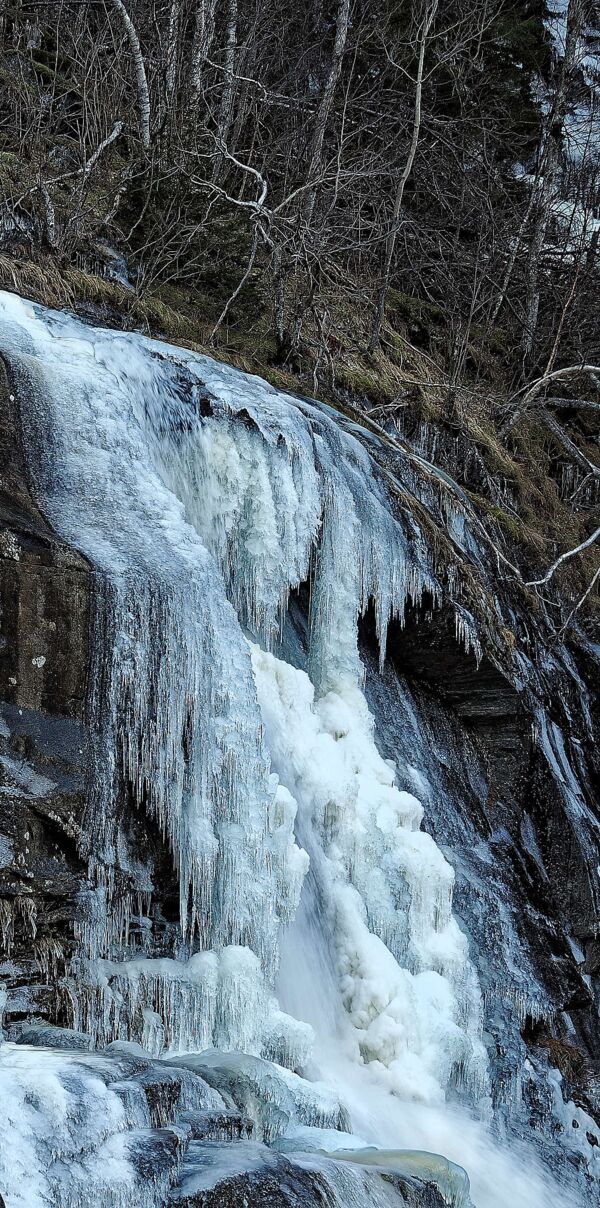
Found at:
[496, 339]
[52, 77]
[366, 383]
[409, 307]
[17, 85]
[512, 525]
[163, 319]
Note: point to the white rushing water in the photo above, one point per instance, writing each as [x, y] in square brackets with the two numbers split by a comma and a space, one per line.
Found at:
[316, 922]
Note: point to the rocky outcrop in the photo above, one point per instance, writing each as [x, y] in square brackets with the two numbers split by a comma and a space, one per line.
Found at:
[48, 618]
[525, 871]
[174, 1136]
[45, 596]
[259, 1178]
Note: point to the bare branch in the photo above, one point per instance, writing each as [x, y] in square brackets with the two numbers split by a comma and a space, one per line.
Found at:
[569, 445]
[239, 287]
[564, 558]
[93, 160]
[521, 405]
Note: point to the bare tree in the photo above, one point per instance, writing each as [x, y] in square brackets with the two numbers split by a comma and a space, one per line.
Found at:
[204, 28]
[546, 180]
[228, 88]
[172, 48]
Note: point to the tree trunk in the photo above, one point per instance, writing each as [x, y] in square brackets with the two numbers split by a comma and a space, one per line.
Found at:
[172, 48]
[390, 243]
[556, 119]
[226, 106]
[316, 157]
[204, 29]
[141, 81]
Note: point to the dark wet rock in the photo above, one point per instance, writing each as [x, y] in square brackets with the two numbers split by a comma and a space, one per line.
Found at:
[250, 1174]
[226, 1125]
[417, 1193]
[55, 1038]
[249, 1084]
[245, 1173]
[156, 1155]
[163, 1093]
[47, 602]
[170, 1092]
[526, 878]
[45, 606]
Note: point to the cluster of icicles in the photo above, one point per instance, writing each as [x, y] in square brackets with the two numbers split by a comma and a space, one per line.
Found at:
[204, 498]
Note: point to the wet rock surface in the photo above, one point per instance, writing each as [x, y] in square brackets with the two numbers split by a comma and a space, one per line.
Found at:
[47, 592]
[252, 1174]
[45, 602]
[525, 876]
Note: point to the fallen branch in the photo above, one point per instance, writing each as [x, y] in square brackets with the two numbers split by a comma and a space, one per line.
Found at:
[577, 404]
[569, 445]
[531, 392]
[564, 558]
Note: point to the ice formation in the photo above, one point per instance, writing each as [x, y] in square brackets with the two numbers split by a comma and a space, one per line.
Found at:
[316, 928]
[384, 890]
[203, 497]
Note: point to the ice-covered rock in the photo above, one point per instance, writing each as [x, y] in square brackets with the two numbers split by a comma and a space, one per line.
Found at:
[273, 1097]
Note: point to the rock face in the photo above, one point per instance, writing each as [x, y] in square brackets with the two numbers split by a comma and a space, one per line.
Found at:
[525, 879]
[46, 626]
[45, 593]
[257, 1176]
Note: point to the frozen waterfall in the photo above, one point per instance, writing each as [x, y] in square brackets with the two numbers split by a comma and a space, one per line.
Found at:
[316, 928]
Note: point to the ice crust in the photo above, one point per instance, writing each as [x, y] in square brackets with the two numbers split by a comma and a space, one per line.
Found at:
[62, 1133]
[278, 1101]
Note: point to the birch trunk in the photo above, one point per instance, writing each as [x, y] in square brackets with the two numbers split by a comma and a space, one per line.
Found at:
[204, 29]
[226, 106]
[141, 81]
[172, 48]
[575, 16]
